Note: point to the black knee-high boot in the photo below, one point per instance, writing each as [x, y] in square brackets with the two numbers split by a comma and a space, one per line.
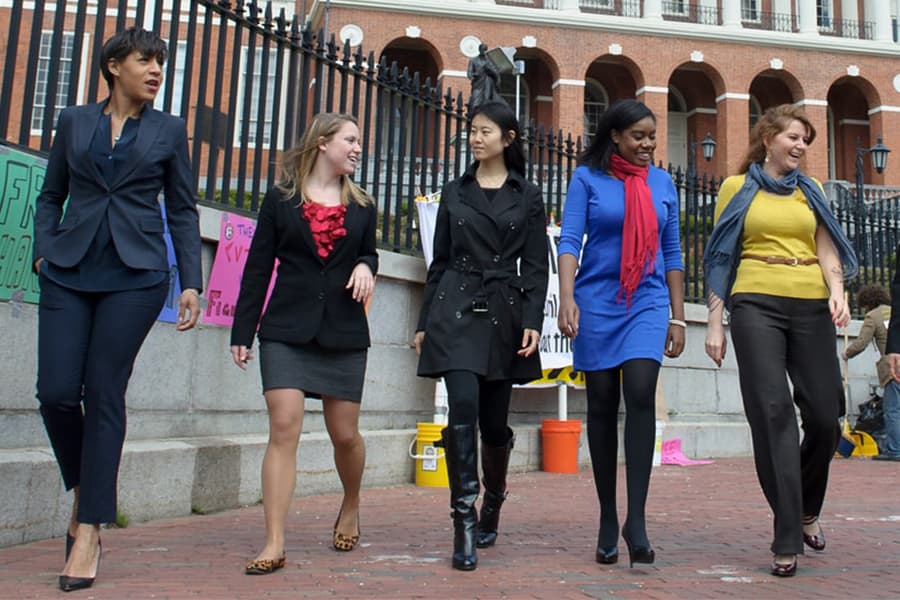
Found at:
[461, 450]
[494, 465]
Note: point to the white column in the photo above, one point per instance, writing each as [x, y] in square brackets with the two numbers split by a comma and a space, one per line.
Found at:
[879, 13]
[731, 13]
[807, 17]
[653, 9]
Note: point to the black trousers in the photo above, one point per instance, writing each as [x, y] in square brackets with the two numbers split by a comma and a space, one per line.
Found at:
[87, 344]
[776, 338]
[471, 398]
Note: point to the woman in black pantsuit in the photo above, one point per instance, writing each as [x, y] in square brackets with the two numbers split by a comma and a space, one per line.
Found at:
[314, 334]
[104, 274]
[482, 314]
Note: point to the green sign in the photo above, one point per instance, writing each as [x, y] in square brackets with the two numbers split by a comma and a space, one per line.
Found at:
[21, 178]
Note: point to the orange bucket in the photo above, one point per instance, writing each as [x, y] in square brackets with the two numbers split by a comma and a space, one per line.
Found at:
[560, 441]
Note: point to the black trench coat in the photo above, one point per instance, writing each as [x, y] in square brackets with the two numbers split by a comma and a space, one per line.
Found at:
[487, 281]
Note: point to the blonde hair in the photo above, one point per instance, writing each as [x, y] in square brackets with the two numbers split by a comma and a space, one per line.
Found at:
[771, 123]
[298, 162]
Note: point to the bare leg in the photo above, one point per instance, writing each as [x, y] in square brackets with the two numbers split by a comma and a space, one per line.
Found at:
[73, 519]
[83, 559]
[342, 422]
[279, 469]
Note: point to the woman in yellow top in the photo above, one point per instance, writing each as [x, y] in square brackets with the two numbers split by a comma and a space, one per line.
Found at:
[777, 260]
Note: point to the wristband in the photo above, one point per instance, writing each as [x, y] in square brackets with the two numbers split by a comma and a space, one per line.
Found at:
[678, 322]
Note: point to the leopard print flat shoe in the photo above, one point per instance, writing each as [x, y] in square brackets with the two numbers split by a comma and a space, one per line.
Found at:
[264, 566]
[341, 542]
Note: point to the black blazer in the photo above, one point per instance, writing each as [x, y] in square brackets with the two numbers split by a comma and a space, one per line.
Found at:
[157, 161]
[309, 300]
[893, 338]
[487, 281]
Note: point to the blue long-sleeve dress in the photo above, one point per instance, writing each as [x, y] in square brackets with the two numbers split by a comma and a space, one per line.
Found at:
[609, 332]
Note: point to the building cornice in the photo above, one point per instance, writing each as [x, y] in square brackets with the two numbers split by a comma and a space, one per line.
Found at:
[614, 24]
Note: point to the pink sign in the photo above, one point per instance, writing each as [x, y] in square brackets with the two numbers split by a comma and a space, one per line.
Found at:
[235, 236]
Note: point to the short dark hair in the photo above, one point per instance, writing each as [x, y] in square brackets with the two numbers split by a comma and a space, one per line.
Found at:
[872, 296]
[500, 113]
[122, 44]
[620, 116]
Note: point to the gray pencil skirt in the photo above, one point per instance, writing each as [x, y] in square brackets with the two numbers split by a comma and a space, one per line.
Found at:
[312, 369]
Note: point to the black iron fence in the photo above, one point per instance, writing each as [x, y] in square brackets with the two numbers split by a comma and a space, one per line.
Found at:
[247, 80]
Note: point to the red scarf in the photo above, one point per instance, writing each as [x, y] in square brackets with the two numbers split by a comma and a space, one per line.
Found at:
[640, 232]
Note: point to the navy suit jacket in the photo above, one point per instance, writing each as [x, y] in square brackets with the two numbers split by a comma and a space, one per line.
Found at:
[157, 161]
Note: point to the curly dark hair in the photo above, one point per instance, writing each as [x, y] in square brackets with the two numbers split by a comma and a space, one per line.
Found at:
[872, 296]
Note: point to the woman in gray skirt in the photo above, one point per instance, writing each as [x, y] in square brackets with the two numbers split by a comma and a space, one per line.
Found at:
[314, 335]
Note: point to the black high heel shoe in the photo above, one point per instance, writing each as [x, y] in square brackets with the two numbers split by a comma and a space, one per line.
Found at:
[638, 554]
[784, 569]
[815, 541]
[607, 556]
[70, 584]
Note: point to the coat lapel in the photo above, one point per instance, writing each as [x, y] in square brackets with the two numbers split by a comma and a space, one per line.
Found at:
[82, 134]
[148, 130]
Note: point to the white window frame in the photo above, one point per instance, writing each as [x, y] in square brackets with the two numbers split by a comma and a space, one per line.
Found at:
[825, 15]
[750, 11]
[597, 89]
[42, 77]
[177, 80]
[274, 78]
[677, 8]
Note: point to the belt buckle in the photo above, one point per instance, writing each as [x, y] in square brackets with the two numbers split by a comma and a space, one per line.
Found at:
[479, 305]
[794, 261]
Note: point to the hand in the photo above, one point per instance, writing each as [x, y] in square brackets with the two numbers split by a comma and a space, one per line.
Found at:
[674, 341]
[241, 355]
[715, 343]
[844, 355]
[37, 264]
[188, 309]
[530, 339]
[894, 361]
[567, 321]
[362, 282]
[417, 342]
[840, 312]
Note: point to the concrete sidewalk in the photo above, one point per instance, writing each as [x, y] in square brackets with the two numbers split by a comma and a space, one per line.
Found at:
[709, 525]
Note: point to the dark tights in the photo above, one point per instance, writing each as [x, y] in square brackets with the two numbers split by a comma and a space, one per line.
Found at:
[473, 399]
[638, 379]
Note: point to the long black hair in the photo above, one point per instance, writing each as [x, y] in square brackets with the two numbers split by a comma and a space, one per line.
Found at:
[620, 116]
[500, 113]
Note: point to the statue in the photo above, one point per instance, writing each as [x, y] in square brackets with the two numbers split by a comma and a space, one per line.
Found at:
[485, 78]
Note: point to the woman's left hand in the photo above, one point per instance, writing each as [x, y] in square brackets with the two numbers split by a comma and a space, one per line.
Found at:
[188, 309]
[840, 311]
[674, 341]
[530, 339]
[361, 282]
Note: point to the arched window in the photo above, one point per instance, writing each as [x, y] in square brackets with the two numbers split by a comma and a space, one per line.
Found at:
[755, 111]
[596, 101]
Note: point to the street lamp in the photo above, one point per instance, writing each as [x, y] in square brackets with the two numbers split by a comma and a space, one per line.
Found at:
[879, 154]
[707, 146]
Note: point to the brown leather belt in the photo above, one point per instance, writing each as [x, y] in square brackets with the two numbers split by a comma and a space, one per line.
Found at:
[781, 260]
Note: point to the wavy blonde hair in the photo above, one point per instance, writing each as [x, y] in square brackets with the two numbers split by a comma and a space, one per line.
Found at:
[771, 123]
[298, 162]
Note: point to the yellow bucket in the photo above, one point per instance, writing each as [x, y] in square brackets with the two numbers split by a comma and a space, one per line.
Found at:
[431, 466]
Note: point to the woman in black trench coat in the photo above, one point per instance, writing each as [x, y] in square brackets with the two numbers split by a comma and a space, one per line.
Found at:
[481, 318]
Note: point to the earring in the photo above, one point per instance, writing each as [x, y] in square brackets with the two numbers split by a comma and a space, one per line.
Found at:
[768, 156]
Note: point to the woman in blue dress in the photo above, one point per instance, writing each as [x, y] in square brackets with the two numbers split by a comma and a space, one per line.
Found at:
[621, 217]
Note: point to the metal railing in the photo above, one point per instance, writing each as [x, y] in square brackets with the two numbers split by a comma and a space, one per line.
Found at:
[621, 8]
[677, 10]
[770, 21]
[848, 28]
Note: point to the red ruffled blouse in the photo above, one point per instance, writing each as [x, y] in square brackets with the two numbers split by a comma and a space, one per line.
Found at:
[326, 224]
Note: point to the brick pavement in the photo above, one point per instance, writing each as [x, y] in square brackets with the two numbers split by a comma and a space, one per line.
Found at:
[709, 525]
